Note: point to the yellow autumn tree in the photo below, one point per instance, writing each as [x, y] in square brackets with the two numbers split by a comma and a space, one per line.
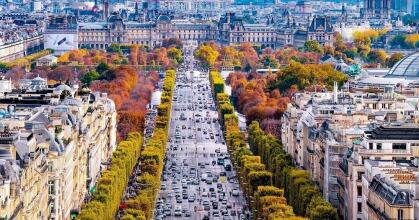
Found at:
[207, 55]
[412, 40]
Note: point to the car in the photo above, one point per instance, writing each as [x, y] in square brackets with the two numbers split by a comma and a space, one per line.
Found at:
[167, 212]
[206, 217]
[191, 199]
[163, 186]
[187, 213]
[207, 207]
[233, 213]
[213, 195]
[235, 192]
[214, 205]
[178, 211]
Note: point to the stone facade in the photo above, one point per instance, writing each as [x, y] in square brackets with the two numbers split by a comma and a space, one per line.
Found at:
[53, 145]
[229, 30]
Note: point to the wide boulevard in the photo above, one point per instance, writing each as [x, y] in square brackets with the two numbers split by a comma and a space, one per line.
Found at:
[198, 181]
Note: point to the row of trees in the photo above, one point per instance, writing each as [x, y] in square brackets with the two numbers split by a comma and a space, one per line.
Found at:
[247, 57]
[111, 185]
[363, 42]
[267, 201]
[404, 41]
[24, 61]
[135, 54]
[152, 157]
[299, 190]
[130, 89]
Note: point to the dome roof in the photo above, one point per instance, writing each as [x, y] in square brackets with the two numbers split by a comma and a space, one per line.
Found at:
[63, 87]
[163, 18]
[407, 67]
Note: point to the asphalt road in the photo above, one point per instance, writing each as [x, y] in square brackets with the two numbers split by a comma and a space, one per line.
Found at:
[195, 143]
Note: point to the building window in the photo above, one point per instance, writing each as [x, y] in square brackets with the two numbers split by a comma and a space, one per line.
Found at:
[359, 190]
[400, 214]
[360, 175]
[51, 187]
[359, 207]
[365, 158]
[379, 146]
[399, 146]
[371, 146]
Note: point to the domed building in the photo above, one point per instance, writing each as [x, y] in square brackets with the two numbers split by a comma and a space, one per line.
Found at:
[403, 77]
[407, 67]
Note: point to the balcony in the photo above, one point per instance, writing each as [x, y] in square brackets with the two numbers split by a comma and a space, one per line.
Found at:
[381, 152]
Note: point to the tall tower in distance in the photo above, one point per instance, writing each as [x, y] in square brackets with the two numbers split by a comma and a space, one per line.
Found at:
[105, 9]
[376, 9]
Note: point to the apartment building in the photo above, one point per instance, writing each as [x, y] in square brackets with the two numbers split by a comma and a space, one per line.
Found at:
[391, 190]
[331, 134]
[20, 35]
[54, 142]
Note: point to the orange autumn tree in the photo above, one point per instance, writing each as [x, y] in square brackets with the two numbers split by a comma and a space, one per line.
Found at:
[131, 92]
[257, 103]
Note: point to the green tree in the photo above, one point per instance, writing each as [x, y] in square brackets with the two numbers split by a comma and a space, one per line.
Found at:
[89, 77]
[269, 61]
[313, 46]
[102, 67]
[399, 41]
[114, 48]
[3, 67]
